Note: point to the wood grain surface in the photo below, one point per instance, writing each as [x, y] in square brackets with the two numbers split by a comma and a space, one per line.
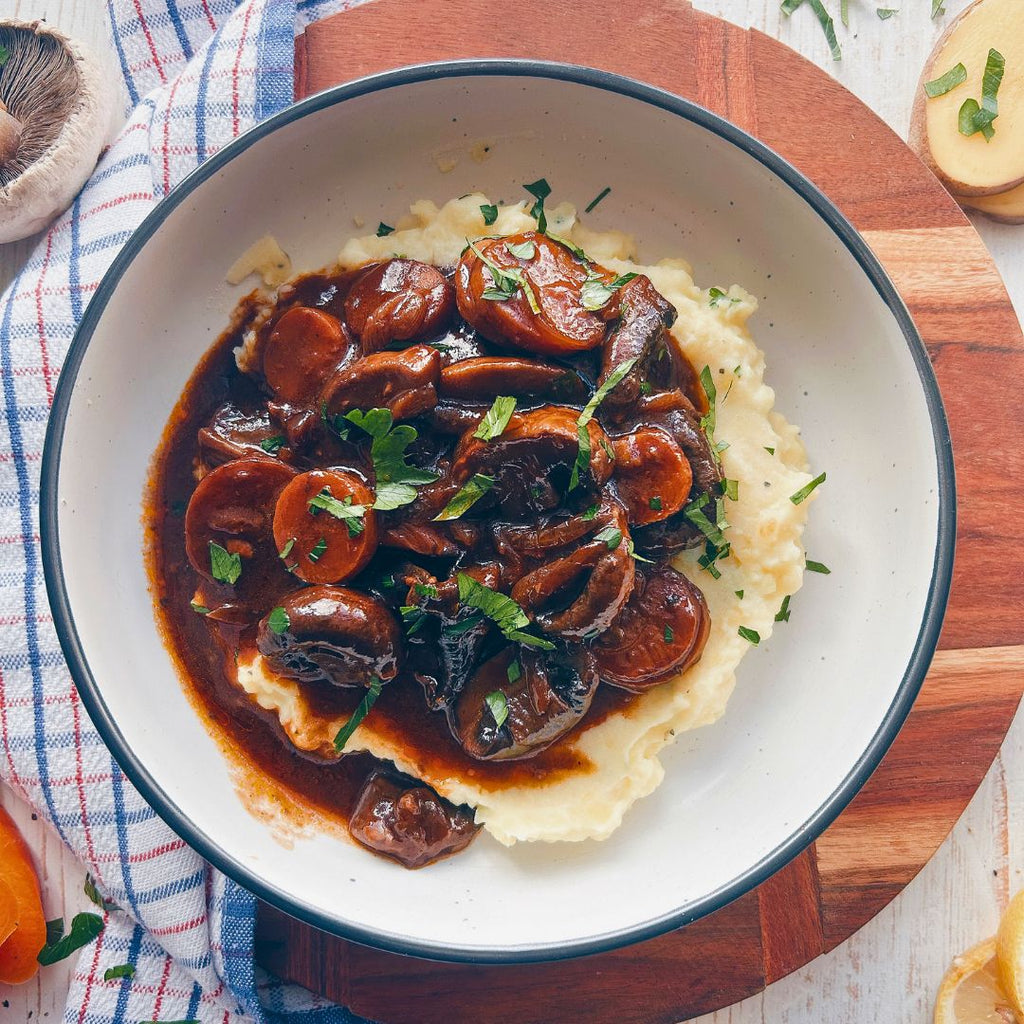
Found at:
[948, 281]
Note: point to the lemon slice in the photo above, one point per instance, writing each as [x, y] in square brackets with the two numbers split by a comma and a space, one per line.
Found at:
[971, 992]
[1010, 953]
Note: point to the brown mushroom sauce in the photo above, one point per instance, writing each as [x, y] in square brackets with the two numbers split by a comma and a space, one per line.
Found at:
[334, 484]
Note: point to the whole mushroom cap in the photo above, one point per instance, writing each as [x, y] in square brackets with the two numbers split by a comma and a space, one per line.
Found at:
[59, 113]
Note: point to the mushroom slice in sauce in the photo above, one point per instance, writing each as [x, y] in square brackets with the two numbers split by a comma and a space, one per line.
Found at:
[403, 382]
[304, 348]
[334, 634]
[407, 821]
[652, 475]
[532, 459]
[239, 433]
[660, 633]
[538, 698]
[481, 379]
[400, 300]
[232, 508]
[325, 525]
[553, 275]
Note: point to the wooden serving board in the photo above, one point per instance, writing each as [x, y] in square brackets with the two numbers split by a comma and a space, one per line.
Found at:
[958, 302]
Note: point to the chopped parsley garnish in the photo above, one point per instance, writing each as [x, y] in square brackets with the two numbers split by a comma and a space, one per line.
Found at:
[937, 8]
[523, 250]
[782, 615]
[669, 635]
[583, 455]
[199, 609]
[496, 418]
[414, 618]
[974, 118]
[498, 707]
[708, 421]
[345, 732]
[468, 495]
[600, 195]
[514, 670]
[384, 229]
[120, 971]
[84, 928]
[716, 547]
[885, 13]
[595, 293]
[273, 444]
[343, 509]
[806, 489]
[540, 190]
[505, 282]
[501, 610]
[818, 567]
[611, 536]
[645, 387]
[655, 503]
[490, 213]
[844, 12]
[395, 479]
[824, 19]
[425, 589]
[287, 549]
[716, 297]
[955, 76]
[278, 621]
[318, 550]
[731, 489]
[750, 635]
[739, 594]
[590, 513]
[571, 246]
[770, 451]
[224, 566]
[631, 551]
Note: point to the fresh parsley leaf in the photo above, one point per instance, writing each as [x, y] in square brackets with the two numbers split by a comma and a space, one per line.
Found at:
[739, 594]
[278, 621]
[818, 567]
[523, 250]
[414, 618]
[595, 293]
[885, 13]
[711, 530]
[224, 567]
[120, 971]
[655, 503]
[611, 536]
[955, 76]
[287, 549]
[506, 282]
[707, 382]
[273, 444]
[498, 707]
[750, 635]
[590, 513]
[782, 615]
[514, 670]
[490, 213]
[806, 489]
[600, 195]
[508, 616]
[318, 550]
[583, 455]
[496, 418]
[824, 19]
[669, 635]
[937, 8]
[540, 190]
[770, 451]
[96, 896]
[384, 229]
[571, 246]
[84, 928]
[844, 12]
[789, 6]
[199, 609]
[467, 496]
[965, 117]
[731, 489]
[425, 589]
[716, 297]
[363, 709]
[343, 509]
[978, 118]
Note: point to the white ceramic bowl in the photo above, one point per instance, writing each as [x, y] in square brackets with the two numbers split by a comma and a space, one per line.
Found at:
[813, 711]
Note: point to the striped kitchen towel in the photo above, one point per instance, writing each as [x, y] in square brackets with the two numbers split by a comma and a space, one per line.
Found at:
[197, 73]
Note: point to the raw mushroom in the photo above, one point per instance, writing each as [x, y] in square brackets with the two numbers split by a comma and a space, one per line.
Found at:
[59, 113]
[333, 634]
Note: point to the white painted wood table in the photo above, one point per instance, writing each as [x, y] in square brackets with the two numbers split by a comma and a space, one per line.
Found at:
[890, 969]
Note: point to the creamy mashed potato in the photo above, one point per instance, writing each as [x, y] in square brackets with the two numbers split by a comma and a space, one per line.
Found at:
[766, 562]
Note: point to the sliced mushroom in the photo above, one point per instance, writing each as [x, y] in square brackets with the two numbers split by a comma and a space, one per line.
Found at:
[538, 697]
[304, 348]
[325, 525]
[578, 595]
[644, 316]
[660, 633]
[404, 382]
[480, 380]
[554, 276]
[671, 370]
[333, 634]
[532, 460]
[407, 821]
[400, 300]
[652, 475]
[236, 433]
[232, 508]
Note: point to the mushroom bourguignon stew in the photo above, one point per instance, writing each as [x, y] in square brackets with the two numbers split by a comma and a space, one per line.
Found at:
[447, 497]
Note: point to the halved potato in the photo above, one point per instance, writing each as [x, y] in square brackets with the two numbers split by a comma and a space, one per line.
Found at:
[1007, 207]
[968, 165]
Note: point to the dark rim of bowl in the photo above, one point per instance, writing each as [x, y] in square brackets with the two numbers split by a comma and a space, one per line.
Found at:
[801, 837]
